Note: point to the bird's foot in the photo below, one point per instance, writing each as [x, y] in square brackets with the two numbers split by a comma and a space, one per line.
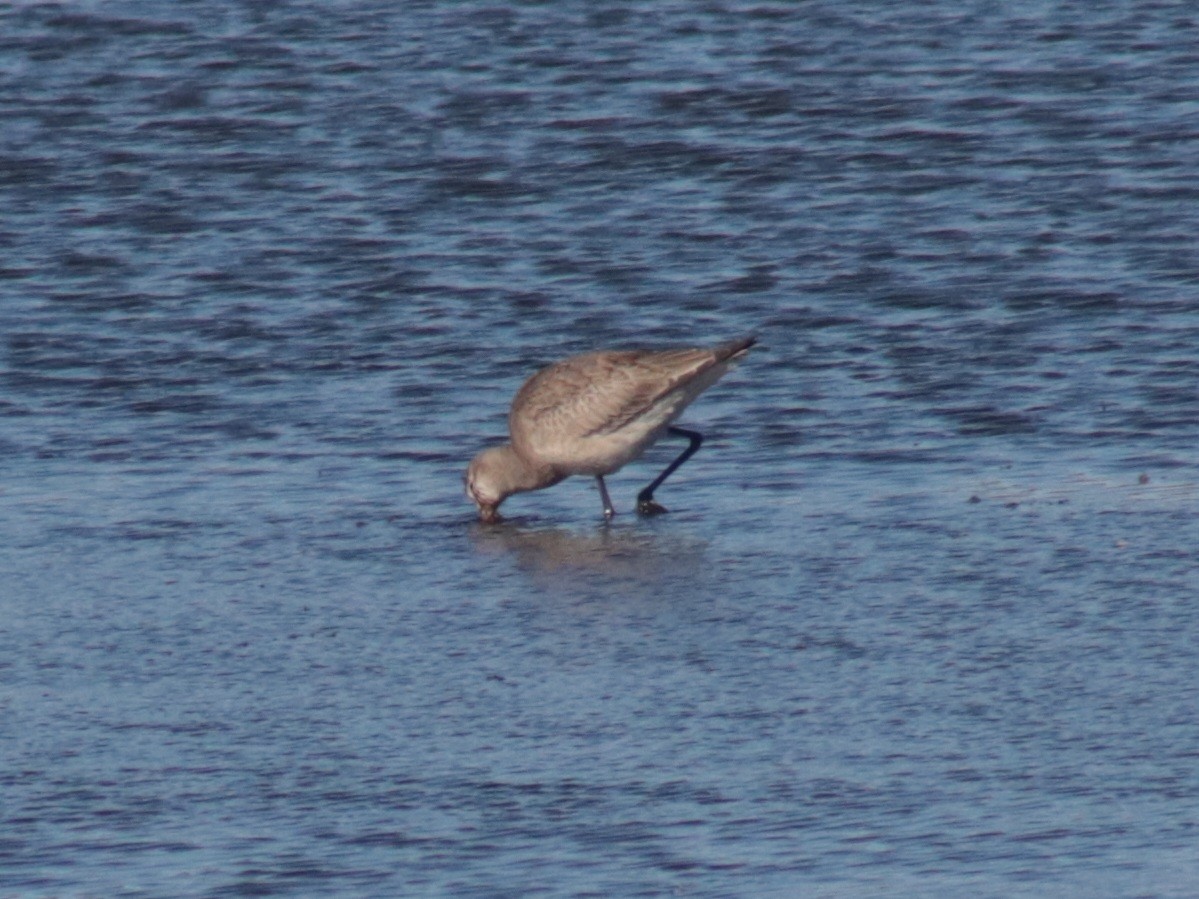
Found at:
[647, 506]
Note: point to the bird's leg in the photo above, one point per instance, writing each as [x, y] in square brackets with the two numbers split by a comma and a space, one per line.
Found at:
[608, 510]
[645, 499]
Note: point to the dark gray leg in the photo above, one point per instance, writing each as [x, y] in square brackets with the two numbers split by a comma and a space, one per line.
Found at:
[608, 510]
[645, 499]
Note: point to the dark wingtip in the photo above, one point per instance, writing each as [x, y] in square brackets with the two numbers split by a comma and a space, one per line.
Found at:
[736, 347]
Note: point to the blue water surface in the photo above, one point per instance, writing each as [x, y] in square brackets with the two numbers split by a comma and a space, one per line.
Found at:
[922, 619]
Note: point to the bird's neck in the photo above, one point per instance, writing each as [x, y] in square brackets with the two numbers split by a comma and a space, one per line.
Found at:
[521, 474]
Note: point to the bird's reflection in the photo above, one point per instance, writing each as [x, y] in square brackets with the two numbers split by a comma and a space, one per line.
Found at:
[621, 553]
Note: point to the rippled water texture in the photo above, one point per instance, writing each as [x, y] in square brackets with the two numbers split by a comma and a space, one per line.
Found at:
[923, 618]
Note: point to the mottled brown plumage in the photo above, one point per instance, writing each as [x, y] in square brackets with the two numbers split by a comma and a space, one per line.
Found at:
[593, 414]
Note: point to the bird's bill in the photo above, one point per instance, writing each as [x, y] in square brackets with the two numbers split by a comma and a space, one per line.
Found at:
[489, 514]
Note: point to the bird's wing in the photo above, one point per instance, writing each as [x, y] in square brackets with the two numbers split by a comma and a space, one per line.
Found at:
[599, 393]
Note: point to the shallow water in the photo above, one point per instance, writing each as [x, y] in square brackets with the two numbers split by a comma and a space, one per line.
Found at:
[923, 616]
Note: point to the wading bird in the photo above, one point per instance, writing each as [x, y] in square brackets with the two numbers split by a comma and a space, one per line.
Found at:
[593, 414]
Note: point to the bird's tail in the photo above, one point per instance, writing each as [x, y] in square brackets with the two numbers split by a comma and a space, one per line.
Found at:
[735, 349]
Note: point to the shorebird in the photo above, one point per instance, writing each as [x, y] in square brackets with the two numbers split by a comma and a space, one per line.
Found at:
[593, 414]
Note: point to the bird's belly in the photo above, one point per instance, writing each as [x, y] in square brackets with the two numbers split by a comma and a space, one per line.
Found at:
[601, 453]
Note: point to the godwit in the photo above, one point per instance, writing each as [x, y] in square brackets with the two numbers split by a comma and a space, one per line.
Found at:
[593, 414]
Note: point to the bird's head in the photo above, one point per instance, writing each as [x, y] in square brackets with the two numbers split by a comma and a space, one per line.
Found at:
[487, 482]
